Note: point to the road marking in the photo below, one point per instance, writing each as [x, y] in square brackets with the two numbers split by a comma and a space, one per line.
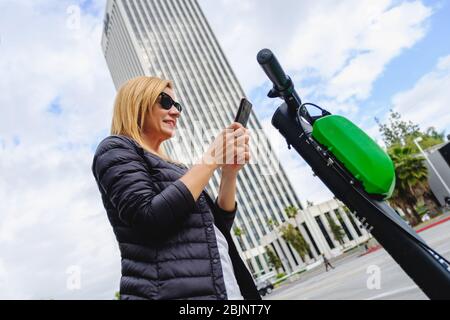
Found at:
[390, 293]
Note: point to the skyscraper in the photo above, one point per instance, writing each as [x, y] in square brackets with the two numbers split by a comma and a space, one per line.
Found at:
[173, 40]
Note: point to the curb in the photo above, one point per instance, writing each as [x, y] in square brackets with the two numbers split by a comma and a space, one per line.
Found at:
[433, 224]
[376, 248]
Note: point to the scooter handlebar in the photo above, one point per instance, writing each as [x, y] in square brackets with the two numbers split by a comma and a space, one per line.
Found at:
[273, 69]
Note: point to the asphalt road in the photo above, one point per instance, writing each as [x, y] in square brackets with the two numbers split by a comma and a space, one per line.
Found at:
[349, 280]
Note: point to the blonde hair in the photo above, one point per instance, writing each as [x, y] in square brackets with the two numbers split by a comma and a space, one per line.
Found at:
[133, 100]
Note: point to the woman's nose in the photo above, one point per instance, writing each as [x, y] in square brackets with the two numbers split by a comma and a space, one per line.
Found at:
[174, 112]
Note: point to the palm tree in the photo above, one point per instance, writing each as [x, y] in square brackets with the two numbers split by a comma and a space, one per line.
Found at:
[238, 232]
[337, 230]
[272, 223]
[293, 236]
[399, 134]
[411, 180]
[291, 211]
[274, 260]
[431, 202]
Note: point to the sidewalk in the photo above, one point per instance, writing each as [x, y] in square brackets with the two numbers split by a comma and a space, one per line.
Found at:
[419, 228]
[341, 259]
[356, 252]
[433, 222]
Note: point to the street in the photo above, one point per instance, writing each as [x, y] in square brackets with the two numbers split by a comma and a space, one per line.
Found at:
[349, 279]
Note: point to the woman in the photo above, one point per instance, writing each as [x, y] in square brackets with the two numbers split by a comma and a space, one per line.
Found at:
[174, 240]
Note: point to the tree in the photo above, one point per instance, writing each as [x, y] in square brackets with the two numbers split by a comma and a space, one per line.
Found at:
[411, 181]
[272, 224]
[293, 236]
[238, 232]
[338, 232]
[422, 209]
[291, 211]
[397, 131]
[432, 203]
[398, 136]
[431, 138]
[117, 295]
[401, 133]
[274, 260]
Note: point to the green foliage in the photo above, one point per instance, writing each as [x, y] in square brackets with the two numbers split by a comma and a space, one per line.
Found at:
[402, 133]
[274, 260]
[291, 211]
[429, 138]
[411, 180]
[238, 232]
[421, 209]
[397, 130]
[410, 170]
[117, 295]
[272, 223]
[293, 236]
[280, 275]
[337, 230]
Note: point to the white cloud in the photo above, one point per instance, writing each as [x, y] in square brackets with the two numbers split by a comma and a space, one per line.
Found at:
[384, 36]
[427, 102]
[52, 217]
[344, 45]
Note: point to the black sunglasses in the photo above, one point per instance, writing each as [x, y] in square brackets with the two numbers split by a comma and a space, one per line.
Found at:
[167, 102]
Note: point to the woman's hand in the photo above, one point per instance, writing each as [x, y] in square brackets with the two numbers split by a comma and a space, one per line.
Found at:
[241, 155]
[238, 156]
[229, 150]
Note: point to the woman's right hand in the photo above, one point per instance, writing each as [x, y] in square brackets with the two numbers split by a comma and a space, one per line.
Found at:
[229, 147]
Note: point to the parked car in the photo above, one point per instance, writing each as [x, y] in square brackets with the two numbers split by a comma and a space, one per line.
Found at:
[264, 287]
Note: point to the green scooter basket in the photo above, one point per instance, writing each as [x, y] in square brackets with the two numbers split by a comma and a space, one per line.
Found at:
[359, 154]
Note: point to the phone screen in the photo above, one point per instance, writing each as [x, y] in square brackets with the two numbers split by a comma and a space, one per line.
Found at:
[243, 113]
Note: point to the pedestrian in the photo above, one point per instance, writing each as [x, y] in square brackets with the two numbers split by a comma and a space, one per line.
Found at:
[174, 239]
[326, 262]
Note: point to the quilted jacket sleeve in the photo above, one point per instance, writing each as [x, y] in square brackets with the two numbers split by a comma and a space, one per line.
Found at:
[223, 218]
[121, 173]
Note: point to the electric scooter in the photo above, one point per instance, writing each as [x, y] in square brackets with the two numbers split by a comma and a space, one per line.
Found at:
[359, 173]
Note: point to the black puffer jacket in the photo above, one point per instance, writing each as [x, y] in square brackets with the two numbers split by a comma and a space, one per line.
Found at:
[166, 239]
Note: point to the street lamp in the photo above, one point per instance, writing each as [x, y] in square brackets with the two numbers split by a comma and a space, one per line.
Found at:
[416, 141]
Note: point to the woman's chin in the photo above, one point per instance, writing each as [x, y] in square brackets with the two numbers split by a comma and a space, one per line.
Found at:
[169, 133]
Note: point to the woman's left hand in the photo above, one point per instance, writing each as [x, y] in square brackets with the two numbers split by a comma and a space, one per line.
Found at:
[241, 152]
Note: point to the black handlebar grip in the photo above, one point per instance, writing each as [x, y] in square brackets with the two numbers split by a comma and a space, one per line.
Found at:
[273, 69]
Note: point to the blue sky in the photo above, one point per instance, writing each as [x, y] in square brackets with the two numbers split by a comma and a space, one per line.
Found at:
[400, 74]
[405, 70]
[355, 57]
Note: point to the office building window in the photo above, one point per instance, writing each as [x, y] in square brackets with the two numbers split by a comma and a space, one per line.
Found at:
[325, 232]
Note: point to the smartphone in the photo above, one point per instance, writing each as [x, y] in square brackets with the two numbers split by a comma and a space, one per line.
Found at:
[243, 113]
